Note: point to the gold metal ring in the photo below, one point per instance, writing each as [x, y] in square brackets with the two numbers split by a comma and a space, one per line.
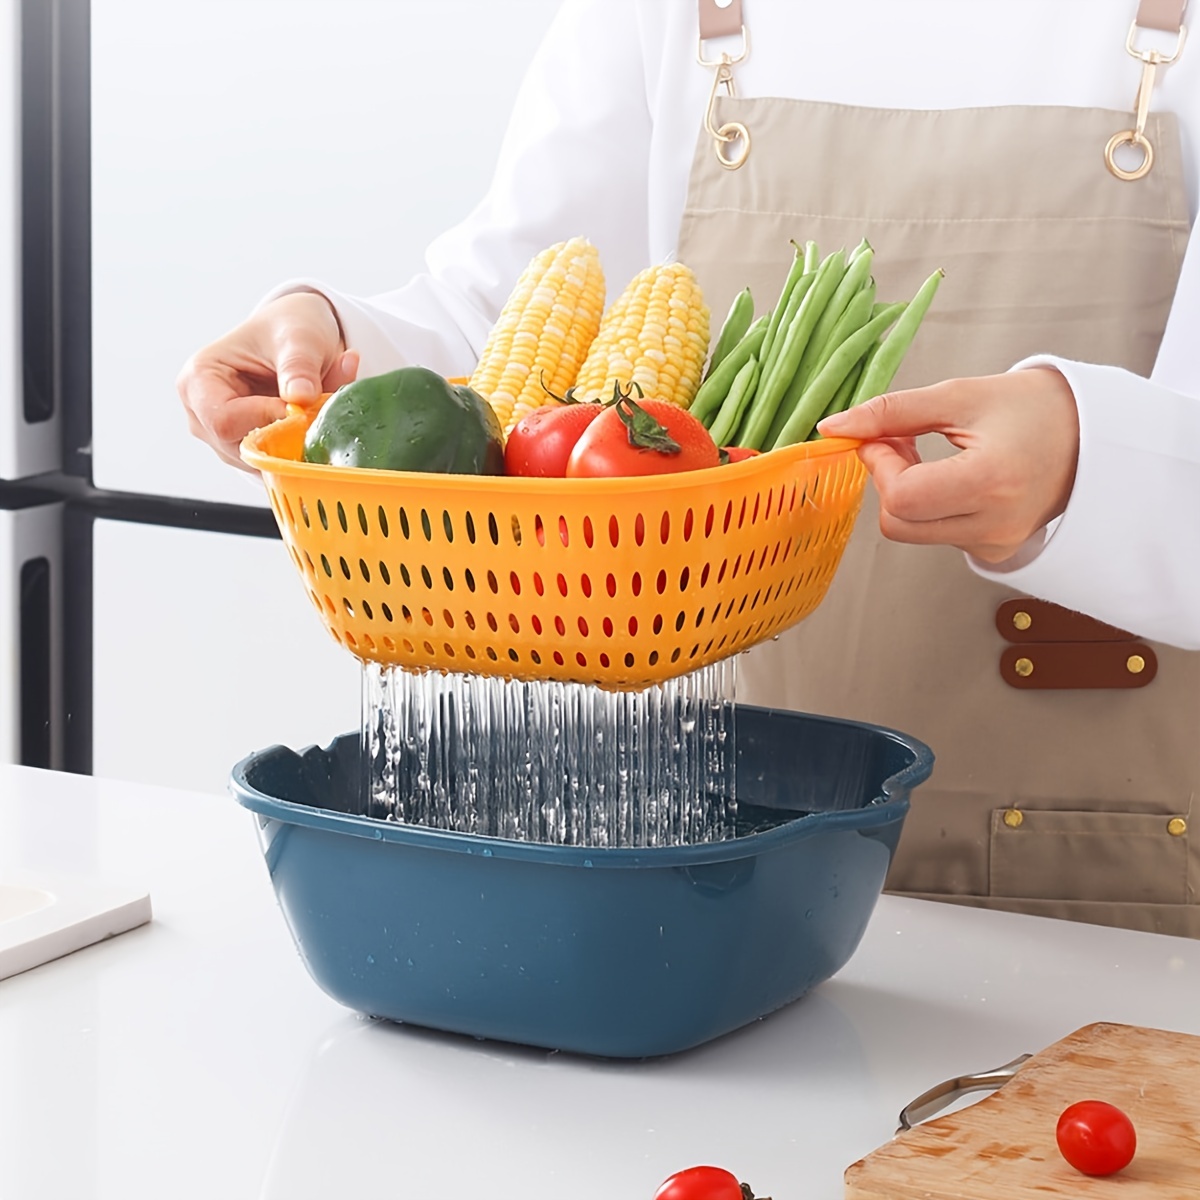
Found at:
[1129, 137]
[730, 132]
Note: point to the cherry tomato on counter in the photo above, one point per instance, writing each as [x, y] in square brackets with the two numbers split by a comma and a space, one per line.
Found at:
[643, 437]
[1095, 1137]
[704, 1183]
[540, 442]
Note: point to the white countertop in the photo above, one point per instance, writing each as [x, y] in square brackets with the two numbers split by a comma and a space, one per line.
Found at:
[194, 1057]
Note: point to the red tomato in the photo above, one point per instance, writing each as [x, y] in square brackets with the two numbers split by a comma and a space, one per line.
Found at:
[738, 453]
[1095, 1137]
[541, 441]
[700, 1183]
[649, 437]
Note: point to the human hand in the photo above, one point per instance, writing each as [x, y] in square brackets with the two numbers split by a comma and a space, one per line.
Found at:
[1018, 441]
[290, 351]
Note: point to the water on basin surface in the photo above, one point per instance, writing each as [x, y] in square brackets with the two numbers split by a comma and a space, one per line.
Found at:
[568, 764]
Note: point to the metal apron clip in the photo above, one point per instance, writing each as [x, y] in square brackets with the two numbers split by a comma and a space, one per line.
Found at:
[731, 140]
[1167, 16]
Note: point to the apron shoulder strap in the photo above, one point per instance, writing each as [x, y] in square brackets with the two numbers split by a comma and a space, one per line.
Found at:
[719, 19]
[1166, 15]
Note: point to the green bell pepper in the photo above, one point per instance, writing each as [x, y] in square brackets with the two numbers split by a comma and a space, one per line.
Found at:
[410, 419]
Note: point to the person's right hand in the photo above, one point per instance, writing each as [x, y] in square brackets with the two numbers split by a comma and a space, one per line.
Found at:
[289, 351]
[1017, 437]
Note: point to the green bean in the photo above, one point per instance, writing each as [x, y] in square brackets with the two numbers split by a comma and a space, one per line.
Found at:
[741, 313]
[886, 362]
[777, 376]
[858, 273]
[707, 401]
[812, 257]
[841, 398]
[868, 358]
[794, 275]
[781, 414]
[740, 391]
[861, 248]
[772, 346]
[855, 317]
[823, 388]
[822, 284]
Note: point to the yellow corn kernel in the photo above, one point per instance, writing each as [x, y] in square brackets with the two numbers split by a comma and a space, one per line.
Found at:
[654, 335]
[543, 332]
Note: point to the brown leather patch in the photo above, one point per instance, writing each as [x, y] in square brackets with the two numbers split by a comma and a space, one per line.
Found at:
[1052, 665]
[1166, 15]
[716, 21]
[1027, 620]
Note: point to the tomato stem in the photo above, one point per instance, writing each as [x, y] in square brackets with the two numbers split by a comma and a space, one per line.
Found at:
[569, 398]
[645, 432]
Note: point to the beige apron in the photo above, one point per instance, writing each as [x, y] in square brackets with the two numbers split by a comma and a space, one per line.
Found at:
[1070, 802]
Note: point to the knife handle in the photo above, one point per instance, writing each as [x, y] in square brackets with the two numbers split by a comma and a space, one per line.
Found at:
[944, 1094]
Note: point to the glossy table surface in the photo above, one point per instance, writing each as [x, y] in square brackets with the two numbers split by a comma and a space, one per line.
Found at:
[194, 1057]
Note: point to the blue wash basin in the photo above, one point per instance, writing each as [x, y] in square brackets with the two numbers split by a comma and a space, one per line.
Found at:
[624, 953]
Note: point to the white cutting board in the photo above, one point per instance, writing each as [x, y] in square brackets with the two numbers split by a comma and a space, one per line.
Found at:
[45, 917]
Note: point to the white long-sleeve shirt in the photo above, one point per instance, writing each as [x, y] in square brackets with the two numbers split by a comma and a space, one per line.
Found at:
[600, 144]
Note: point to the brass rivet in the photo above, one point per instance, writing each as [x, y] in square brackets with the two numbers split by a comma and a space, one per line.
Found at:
[1177, 827]
[1023, 667]
[1135, 664]
[1022, 620]
[1013, 818]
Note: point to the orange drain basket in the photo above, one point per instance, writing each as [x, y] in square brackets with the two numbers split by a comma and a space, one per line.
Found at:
[621, 583]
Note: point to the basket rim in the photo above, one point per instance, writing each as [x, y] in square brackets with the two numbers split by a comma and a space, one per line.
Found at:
[767, 463]
[891, 804]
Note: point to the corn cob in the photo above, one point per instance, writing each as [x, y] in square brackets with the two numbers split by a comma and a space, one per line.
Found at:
[543, 332]
[655, 335]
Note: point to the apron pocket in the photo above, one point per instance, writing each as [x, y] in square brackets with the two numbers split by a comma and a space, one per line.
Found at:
[1107, 857]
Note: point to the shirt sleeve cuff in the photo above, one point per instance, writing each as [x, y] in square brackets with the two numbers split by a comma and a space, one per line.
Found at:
[1117, 552]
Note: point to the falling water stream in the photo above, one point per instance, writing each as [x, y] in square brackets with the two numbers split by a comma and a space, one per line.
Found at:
[542, 761]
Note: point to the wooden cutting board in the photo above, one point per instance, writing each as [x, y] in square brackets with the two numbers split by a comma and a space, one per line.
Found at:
[1003, 1147]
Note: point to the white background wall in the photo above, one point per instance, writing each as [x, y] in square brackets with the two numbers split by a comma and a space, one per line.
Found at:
[237, 143]
[206, 648]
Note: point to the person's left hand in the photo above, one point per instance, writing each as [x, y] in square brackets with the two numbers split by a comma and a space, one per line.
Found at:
[1018, 441]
